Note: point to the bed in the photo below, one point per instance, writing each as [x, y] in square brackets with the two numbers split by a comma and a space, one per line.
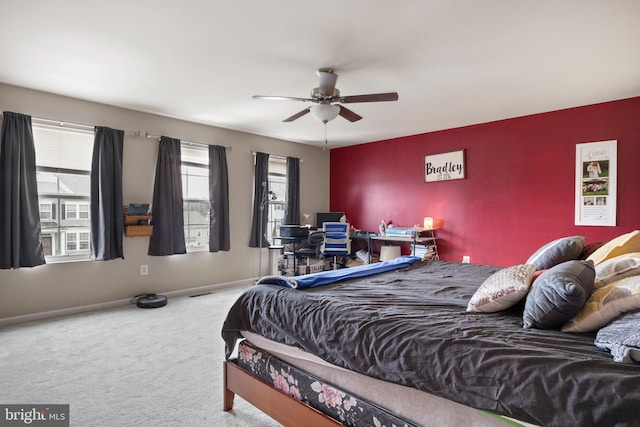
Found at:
[401, 348]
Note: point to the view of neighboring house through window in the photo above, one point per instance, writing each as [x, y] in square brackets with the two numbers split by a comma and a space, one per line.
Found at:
[195, 194]
[63, 160]
[278, 187]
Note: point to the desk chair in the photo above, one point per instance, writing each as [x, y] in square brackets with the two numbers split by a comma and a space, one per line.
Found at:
[312, 250]
[336, 241]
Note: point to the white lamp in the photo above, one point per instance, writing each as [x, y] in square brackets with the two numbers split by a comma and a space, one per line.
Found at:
[324, 112]
[428, 223]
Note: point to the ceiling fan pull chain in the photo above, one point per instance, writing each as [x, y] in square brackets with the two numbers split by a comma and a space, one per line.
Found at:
[325, 137]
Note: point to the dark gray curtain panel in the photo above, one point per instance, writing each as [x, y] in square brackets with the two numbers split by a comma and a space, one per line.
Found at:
[292, 199]
[20, 232]
[167, 208]
[107, 223]
[260, 189]
[219, 236]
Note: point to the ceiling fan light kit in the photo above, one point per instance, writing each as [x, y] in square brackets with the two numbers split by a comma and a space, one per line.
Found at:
[325, 95]
[324, 112]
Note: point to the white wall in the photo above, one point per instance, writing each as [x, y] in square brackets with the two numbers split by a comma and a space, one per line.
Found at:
[66, 285]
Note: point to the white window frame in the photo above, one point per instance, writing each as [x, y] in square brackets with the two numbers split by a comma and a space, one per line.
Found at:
[277, 179]
[57, 195]
[195, 159]
[80, 210]
[77, 240]
[46, 211]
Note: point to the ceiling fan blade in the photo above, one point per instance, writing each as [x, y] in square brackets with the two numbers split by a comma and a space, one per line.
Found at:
[328, 81]
[296, 115]
[348, 114]
[282, 98]
[372, 97]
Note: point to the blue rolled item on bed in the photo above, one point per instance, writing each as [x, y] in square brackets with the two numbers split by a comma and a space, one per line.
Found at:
[335, 276]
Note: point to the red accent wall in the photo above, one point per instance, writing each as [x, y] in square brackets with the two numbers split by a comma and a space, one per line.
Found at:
[520, 187]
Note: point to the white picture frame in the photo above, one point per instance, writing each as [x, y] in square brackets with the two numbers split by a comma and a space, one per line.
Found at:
[596, 183]
[444, 167]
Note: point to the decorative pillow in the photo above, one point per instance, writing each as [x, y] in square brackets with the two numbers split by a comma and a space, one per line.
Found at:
[606, 304]
[502, 289]
[623, 244]
[557, 251]
[622, 338]
[617, 268]
[558, 294]
[590, 248]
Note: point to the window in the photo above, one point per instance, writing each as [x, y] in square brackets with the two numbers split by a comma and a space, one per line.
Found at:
[63, 173]
[278, 189]
[71, 210]
[77, 242]
[46, 211]
[195, 193]
[77, 210]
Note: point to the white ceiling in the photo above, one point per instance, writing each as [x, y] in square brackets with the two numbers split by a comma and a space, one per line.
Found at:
[452, 62]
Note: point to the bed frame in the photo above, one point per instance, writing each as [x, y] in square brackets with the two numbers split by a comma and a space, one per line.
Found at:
[281, 407]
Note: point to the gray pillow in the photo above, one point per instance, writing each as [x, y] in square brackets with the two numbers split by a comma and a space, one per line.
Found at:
[557, 251]
[558, 294]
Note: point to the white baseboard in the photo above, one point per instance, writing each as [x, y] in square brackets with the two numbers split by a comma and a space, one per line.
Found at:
[117, 303]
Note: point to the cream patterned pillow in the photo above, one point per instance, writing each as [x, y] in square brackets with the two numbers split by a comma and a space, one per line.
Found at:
[617, 268]
[624, 244]
[605, 304]
[502, 289]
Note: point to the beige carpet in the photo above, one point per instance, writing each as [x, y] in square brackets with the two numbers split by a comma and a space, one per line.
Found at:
[127, 366]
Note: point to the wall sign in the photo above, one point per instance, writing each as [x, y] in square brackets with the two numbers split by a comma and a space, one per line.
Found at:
[596, 171]
[443, 167]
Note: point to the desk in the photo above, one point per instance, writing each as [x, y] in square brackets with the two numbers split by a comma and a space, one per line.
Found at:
[296, 241]
[416, 238]
[366, 237]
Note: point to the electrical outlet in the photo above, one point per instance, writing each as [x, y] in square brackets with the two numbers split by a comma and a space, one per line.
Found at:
[144, 269]
[466, 259]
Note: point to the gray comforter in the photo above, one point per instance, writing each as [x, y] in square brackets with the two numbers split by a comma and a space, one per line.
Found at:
[410, 327]
[622, 338]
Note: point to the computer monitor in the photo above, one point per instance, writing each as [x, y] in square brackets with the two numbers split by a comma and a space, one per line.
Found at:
[322, 217]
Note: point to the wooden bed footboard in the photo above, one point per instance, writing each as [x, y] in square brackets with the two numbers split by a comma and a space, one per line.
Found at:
[276, 404]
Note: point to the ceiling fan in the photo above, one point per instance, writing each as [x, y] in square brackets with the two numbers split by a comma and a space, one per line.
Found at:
[327, 97]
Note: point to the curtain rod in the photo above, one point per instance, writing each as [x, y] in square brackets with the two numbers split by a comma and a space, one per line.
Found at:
[71, 126]
[60, 124]
[277, 156]
[198, 144]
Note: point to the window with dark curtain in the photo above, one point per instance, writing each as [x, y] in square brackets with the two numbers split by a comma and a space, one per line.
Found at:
[167, 208]
[20, 233]
[219, 236]
[260, 193]
[107, 223]
[292, 203]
